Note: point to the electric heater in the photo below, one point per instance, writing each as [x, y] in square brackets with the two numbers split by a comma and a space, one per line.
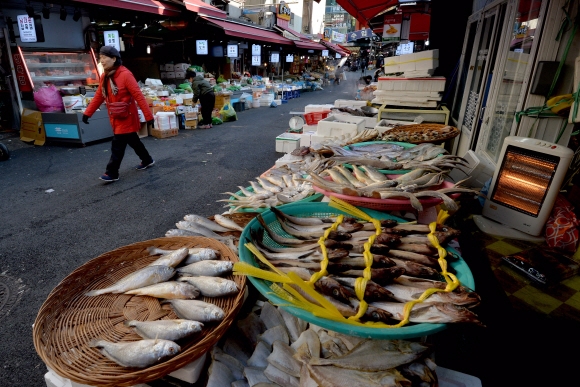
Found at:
[526, 182]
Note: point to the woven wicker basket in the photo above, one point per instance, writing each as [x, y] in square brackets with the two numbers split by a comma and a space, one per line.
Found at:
[68, 320]
[414, 134]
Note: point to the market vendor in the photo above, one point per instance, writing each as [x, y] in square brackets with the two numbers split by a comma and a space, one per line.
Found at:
[203, 92]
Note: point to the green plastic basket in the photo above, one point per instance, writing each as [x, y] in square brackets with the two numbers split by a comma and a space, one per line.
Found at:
[322, 210]
[312, 198]
[405, 145]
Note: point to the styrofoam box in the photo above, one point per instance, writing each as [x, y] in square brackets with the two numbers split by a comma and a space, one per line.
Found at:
[391, 64]
[349, 103]
[422, 60]
[317, 108]
[340, 125]
[165, 120]
[305, 137]
[181, 67]
[450, 378]
[412, 84]
[190, 372]
[180, 74]
[163, 75]
[386, 125]
[317, 139]
[517, 61]
[287, 142]
[170, 74]
[169, 67]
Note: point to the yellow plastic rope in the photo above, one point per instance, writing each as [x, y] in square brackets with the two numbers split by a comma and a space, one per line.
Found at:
[324, 263]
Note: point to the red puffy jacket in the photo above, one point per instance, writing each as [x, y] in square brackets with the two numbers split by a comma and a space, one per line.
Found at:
[128, 90]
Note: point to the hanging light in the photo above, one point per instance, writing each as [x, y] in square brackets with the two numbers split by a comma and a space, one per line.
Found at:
[77, 14]
[148, 49]
[29, 9]
[92, 19]
[427, 42]
[62, 13]
[45, 11]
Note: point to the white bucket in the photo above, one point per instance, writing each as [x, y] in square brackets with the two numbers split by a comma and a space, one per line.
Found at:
[72, 103]
[255, 103]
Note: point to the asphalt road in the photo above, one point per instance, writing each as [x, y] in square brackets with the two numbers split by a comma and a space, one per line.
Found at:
[45, 235]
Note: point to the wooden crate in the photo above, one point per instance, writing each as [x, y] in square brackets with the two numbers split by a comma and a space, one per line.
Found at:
[164, 133]
[143, 132]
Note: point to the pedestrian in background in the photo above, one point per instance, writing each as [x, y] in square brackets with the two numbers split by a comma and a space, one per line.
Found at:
[119, 90]
[363, 66]
[337, 75]
[203, 92]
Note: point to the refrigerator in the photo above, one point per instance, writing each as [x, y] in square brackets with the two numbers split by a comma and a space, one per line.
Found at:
[74, 70]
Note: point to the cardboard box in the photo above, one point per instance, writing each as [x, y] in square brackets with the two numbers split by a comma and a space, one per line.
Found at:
[188, 101]
[221, 101]
[143, 131]
[164, 133]
[287, 142]
[190, 115]
[156, 109]
[191, 123]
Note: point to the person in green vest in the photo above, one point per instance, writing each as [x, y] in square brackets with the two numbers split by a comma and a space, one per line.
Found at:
[203, 92]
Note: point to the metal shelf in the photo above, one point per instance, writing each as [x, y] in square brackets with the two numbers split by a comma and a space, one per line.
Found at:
[54, 65]
[61, 78]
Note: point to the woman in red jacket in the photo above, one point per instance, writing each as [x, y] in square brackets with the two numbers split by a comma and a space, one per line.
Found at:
[120, 90]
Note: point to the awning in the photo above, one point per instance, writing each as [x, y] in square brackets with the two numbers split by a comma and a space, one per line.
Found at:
[365, 10]
[202, 8]
[335, 48]
[308, 44]
[248, 32]
[150, 6]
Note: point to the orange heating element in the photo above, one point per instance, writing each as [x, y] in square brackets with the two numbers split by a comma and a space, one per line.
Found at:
[523, 182]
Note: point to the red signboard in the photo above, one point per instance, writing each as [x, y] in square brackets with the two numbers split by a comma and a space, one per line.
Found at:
[21, 74]
[420, 26]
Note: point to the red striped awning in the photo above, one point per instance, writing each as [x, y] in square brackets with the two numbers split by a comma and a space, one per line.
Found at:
[202, 8]
[335, 48]
[150, 6]
[248, 32]
[308, 44]
[365, 10]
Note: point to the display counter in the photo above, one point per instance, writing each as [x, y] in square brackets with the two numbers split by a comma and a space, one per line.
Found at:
[69, 127]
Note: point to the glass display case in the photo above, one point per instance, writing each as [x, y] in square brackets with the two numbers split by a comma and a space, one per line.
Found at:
[61, 68]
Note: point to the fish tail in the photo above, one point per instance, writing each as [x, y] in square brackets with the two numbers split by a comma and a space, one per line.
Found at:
[95, 343]
[152, 250]
[129, 323]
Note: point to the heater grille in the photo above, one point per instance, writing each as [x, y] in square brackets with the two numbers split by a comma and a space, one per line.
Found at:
[524, 179]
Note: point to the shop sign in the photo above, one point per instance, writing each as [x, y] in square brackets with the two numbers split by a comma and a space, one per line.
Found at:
[405, 48]
[275, 57]
[360, 34]
[256, 60]
[21, 76]
[338, 56]
[201, 47]
[324, 52]
[112, 39]
[283, 12]
[337, 37]
[392, 27]
[26, 28]
[232, 50]
[256, 49]
[289, 58]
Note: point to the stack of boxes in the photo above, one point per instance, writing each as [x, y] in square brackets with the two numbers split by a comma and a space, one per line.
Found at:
[413, 92]
[416, 65]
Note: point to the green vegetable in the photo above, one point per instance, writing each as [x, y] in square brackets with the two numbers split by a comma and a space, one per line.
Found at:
[216, 121]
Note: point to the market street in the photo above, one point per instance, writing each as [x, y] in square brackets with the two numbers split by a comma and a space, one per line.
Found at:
[45, 236]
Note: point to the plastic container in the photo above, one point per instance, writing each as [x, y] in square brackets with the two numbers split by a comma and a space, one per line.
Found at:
[165, 121]
[72, 103]
[255, 103]
[313, 117]
[324, 210]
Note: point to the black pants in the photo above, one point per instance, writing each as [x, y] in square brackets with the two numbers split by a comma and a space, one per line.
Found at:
[207, 103]
[118, 146]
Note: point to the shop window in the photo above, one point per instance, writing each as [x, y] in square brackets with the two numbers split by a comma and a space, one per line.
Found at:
[291, 22]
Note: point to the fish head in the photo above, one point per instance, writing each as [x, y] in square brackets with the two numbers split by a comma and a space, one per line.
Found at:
[382, 261]
[232, 287]
[217, 314]
[334, 289]
[376, 314]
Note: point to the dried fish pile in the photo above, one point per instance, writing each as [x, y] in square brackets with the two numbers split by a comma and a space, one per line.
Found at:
[404, 265]
[276, 187]
[177, 278]
[421, 133]
[270, 347]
